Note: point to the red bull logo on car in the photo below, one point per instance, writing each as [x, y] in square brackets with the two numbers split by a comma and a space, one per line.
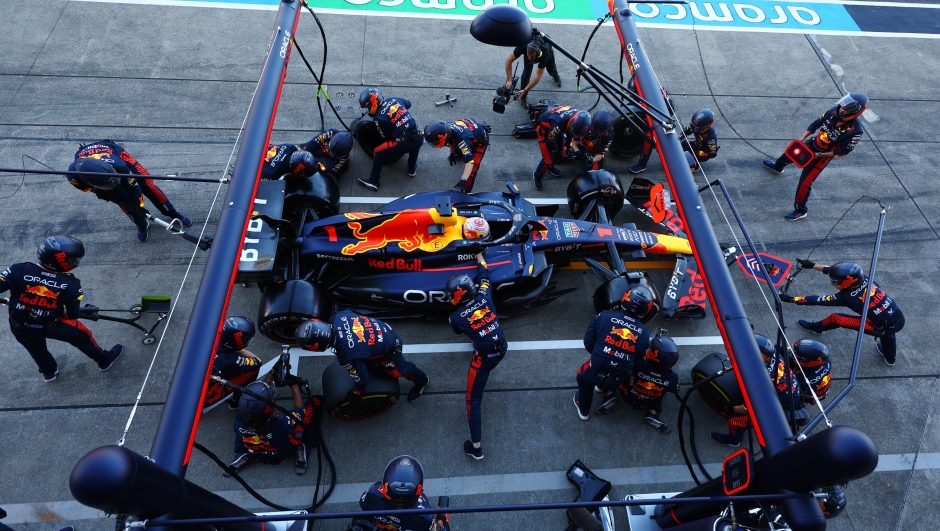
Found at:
[409, 229]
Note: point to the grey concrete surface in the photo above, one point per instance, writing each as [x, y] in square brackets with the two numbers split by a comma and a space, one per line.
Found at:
[174, 94]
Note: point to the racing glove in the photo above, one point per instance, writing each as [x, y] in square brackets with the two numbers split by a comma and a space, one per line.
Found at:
[353, 397]
[454, 159]
[806, 263]
[786, 298]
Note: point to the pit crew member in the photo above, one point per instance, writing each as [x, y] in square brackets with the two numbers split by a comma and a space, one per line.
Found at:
[536, 52]
[467, 140]
[233, 361]
[698, 138]
[287, 160]
[357, 341]
[44, 304]
[813, 358]
[476, 317]
[884, 318]
[613, 338]
[593, 147]
[402, 487]
[266, 436]
[651, 378]
[839, 132]
[558, 126]
[398, 130]
[331, 150]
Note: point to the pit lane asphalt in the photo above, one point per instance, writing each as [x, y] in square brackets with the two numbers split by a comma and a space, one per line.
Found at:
[172, 84]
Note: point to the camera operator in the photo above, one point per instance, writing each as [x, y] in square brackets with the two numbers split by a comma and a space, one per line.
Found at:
[537, 52]
[268, 437]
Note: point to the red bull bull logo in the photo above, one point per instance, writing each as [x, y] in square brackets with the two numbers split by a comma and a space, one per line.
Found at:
[479, 314]
[39, 296]
[649, 386]
[481, 318]
[623, 333]
[409, 229]
[358, 329]
[627, 339]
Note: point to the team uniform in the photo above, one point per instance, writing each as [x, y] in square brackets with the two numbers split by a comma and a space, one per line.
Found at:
[319, 146]
[551, 132]
[45, 305]
[820, 378]
[477, 319]
[614, 340]
[277, 160]
[703, 145]
[788, 388]
[596, 144]
[358, 340]
[375, 499]
[647, 385]
[399, 133]
[471, 141]
[279, 436]
[831, 138]
[232, 366]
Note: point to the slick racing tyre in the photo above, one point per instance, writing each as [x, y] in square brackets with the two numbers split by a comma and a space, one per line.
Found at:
[628, 140]
[382, 392]
[599, 185]
[317, 192]
[367, 136]
[284, 305]
[723, 392]
[610, 293]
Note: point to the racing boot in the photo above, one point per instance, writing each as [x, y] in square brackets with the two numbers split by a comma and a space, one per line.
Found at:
[241, 461]
[142, 232]
[417, 391]
[889, 363]
[474, 452]
[577, 407]
[655, 422]
[369, 184]
[300, 466]
[538, 181]
[725, 439]
[795, 215]
[772, 165]
[184, 221]
[636, 168]
[461, 186]
[809, 326]
[113, 355]
[554, 172]
[608, 403]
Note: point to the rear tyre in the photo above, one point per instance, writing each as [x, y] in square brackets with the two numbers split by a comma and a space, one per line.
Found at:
[628, 140]
[723, 392]
[382, 392]
[284, 305]
[367, 136]
[601, 186]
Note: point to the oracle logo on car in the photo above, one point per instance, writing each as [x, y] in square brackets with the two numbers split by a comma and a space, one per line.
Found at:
[399, 264]
[415, 296]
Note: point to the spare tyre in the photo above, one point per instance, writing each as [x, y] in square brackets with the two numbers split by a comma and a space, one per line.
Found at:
[381, 393]
[723, 392]
[367, 136]
[285, 304]
[600, 185]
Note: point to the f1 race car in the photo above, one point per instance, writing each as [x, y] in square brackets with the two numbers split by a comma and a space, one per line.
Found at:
[394, 262]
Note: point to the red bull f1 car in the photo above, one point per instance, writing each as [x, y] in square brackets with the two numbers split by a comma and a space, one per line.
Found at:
[394, 262]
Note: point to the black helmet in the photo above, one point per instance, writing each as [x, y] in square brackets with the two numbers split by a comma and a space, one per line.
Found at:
[834, 503]
[601, 121]
[703, 120]
[108, 180]
[765, 346]
[810, 352]
[60, 253]
[303, 164]
[403, 481]
[662, 353]
[579, 124]
[237, 332]
[851, 106]
[370, 99]
[340, 145]
[253, 409]
[845, 275]
[637, 301]
[460, 289]
[314, 334]
[436, 133]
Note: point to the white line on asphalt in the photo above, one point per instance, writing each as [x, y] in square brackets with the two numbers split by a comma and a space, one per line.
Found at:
[68, 511]
[361, 200]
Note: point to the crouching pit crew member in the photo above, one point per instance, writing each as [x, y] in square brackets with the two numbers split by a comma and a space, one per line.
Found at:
[884, 318]
[467, 140]
[838, 134]
[813, 358]
[613, 339]
[287, 160]
[558, 126]
[357, 341]
[233, 362]
[652, 377]
[398, 130]
[44, 304]
[267, 436]
[402, 487]
[476, 317]
[593, 147]
[331, 150]
[122, 162]
[699, 137]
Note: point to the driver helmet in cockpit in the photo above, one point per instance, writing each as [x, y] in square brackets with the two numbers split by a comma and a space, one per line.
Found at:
[476, 229]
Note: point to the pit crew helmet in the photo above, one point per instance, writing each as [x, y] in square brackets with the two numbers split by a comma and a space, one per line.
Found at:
[302, 164]
[403, 481]
[314, 334]
[834, 503]
[370, 99]
[237, 332]
[601, 121]
[253, 409]
[851, 106]
[579, 124]
[437, 133]
[663, 353]
[476, 228]
[340, 145]
[460, 289]
[109, 178]
[60, 253]
[810, 353]
[703, 120]
[765, 346]
[845, 275]
[637, 301]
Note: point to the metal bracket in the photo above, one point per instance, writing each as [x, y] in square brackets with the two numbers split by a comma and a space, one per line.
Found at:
[447, 100]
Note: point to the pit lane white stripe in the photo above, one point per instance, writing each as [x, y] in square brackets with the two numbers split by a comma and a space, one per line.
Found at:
[361, 200]
[68, 511]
